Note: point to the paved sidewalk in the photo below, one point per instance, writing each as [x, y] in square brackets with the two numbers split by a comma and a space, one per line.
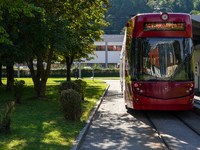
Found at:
[114, 129]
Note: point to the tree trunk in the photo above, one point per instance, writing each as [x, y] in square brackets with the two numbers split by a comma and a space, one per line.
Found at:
[39, 78]
[10, 77]
[40, 88]
[69, 62]
[1, 74]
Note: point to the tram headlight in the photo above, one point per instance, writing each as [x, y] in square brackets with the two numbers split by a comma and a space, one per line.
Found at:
[191, 85]
[136, 85]
[141, 91]
[190, 89]
[137, 99]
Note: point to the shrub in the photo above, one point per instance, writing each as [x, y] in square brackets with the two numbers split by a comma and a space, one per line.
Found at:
[18, 89]
[70, 104]
[82, 85]
[68, 85]
[5, 119]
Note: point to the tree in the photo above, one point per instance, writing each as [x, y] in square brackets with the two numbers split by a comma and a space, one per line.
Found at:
[63, 26]
[120, 13]
[10, 53]
[196, 10]
[10, 11]
[14, 8]
[40, 35]
[84, 29]
[183, 6]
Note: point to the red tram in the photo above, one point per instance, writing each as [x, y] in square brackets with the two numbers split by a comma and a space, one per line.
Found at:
[157, 62]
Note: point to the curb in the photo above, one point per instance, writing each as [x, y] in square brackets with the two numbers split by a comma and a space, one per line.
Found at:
[196, 110]
[82, 134]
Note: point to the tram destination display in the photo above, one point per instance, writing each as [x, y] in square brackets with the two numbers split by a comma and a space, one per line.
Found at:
[164, 26]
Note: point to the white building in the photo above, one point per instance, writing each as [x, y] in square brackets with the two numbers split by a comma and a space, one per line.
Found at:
[108, 51]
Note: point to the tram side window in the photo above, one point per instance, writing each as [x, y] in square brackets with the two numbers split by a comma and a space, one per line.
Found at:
[134, 59]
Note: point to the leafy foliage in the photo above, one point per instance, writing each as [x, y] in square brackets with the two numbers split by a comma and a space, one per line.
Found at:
[119, 14]
[85, 25]
[70, 104]
[14, 8]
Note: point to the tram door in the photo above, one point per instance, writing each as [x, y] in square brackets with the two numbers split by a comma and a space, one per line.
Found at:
[196, 74]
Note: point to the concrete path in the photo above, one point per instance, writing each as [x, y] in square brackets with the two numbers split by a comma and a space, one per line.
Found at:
[114, 129]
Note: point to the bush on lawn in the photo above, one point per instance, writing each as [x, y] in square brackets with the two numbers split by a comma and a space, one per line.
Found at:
[18, 89]
[70, 104]
[82, 85]
[68, 85]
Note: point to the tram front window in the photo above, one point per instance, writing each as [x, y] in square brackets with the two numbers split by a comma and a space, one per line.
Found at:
[161, 59]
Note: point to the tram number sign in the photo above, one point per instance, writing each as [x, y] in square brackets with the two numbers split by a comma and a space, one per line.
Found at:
[164, 26]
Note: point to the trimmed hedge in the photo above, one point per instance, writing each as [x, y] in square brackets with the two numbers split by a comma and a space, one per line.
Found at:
[70, 104]
[82, 84]
[63, 73]
[69, 85]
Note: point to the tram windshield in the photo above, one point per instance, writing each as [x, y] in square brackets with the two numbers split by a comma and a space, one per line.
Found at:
[161, 59]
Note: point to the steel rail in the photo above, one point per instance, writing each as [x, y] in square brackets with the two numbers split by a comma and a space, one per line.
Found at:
[188, 125]
[164, 144]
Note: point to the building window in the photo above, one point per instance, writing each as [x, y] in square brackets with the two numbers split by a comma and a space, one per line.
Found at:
[110, 48]
[100, 48]
[114, 48]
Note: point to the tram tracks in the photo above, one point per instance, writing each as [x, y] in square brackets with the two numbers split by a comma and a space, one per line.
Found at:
[172, 128]
[164, 144]
[197, 131]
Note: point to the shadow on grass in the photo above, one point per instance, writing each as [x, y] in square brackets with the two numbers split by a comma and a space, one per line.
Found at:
[3, 79]
[73, 79]
[38, 124]
[59, 81]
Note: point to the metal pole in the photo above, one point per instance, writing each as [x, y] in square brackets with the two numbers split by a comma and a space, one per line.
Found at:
[106, 55]
[93, 73]
[79, 69]
[18, 71]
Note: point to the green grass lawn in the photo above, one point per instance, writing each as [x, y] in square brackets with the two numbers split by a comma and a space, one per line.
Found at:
[37, 124]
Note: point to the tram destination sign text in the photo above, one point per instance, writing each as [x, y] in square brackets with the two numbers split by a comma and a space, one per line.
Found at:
[164, 26]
